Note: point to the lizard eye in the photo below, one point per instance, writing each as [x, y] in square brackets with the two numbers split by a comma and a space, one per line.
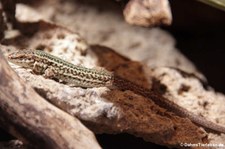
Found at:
[30, 60]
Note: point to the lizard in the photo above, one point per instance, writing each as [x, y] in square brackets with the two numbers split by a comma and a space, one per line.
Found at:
[54, 67]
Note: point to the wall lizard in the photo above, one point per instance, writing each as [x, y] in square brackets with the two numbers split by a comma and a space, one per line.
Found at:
[53, 67]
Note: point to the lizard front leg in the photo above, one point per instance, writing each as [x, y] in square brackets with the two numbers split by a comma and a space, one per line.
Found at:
[49, 73]
[43, 69]
[38, 68]
[53, 73]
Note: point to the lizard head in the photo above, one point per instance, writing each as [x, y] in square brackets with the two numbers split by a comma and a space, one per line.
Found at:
[24, 58]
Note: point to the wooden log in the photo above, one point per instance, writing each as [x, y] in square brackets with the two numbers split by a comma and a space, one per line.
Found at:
[30, 118]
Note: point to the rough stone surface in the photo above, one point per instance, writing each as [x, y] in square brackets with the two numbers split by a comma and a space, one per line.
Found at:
[193, 94]
[104, 25]
[148, 12]
[115, 111]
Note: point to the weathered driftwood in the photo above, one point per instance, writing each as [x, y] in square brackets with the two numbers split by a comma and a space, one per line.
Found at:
[29, 117]
[148, 12]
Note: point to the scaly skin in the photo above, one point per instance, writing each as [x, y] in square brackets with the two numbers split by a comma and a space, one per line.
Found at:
[54, 67]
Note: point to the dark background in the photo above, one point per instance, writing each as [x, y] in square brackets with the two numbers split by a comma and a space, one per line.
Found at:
[200, 34]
